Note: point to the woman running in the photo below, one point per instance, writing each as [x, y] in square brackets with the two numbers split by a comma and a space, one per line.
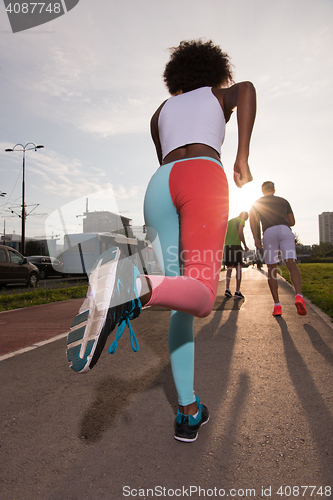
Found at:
[186, 214]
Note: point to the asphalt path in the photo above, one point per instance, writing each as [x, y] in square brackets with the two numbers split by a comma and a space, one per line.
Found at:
[108, 434]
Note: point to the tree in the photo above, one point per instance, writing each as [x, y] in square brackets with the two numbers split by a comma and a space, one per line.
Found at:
[34, 248]
[322, 249]
[297, 240]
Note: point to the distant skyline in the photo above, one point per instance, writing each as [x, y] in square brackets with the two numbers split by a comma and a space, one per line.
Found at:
[86, 84]
[326, 227]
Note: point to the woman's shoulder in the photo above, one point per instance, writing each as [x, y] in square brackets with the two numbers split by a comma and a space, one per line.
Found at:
[228, 97]
[154, 118]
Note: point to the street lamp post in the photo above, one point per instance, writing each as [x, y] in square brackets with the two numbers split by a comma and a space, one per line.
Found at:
[24, 149]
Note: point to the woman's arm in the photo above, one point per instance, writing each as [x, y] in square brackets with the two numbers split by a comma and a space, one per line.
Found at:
[155, 134]
[243, 97]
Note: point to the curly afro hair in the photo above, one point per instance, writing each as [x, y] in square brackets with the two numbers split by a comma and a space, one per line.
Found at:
[195, 64]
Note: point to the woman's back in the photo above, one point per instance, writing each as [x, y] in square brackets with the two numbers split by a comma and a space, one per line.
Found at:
[195, 117]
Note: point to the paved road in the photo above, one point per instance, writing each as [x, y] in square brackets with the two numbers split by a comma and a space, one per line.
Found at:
[109, 434]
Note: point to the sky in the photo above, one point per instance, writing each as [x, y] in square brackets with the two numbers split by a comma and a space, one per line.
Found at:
[86, 84]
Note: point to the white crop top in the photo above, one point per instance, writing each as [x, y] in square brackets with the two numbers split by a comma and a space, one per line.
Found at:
[193, 117]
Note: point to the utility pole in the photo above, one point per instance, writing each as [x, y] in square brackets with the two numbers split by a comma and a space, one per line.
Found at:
[23, 213]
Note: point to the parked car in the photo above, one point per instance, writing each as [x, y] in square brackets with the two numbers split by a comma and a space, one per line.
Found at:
[47, 266]
[14, 268]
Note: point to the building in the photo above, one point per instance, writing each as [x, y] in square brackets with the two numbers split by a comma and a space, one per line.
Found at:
[34, 246]
[104, 222]
[326, 227]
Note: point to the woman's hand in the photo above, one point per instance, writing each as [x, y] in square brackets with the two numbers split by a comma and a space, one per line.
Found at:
[242, 173]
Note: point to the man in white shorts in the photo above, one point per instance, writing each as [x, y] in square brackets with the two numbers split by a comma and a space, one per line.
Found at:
[276, 217]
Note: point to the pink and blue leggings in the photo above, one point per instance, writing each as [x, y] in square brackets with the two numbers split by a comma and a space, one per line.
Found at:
[186, 215]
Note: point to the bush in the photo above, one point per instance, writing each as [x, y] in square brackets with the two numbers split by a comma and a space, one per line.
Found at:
[37, 297]
[317, 260]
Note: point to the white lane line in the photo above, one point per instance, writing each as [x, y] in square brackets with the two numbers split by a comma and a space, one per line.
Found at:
[32, 346]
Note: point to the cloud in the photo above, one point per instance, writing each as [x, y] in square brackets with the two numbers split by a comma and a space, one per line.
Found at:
[116, 117]
[66, 177]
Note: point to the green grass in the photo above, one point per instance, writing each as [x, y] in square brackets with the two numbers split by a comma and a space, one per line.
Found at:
[317, 284]
[35, 297]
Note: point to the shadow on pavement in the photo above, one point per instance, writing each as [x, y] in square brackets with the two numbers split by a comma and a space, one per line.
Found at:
[114, 394]
[319, 344]
[319, 418]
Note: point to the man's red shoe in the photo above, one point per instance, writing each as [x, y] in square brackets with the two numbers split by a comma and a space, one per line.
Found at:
[277, 311]
[300, 305]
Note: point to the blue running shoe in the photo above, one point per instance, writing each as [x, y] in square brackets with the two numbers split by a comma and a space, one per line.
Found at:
[186, 426]
[112, 300]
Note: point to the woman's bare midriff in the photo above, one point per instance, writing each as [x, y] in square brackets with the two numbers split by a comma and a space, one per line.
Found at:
[191, 151]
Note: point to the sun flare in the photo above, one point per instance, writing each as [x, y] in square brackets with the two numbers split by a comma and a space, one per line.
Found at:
[241, 200]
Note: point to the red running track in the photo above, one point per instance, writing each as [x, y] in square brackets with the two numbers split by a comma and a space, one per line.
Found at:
[24, 327]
